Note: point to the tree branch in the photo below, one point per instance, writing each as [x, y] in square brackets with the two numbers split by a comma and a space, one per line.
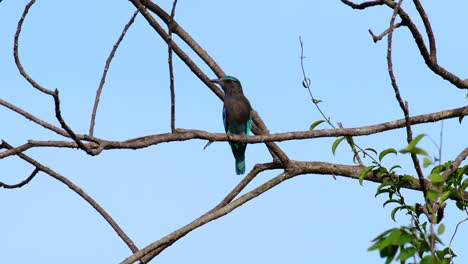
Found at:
[78, 191]
[106, 68]
[15, 52]
[22, 183]
[403, 105]
[362, 5]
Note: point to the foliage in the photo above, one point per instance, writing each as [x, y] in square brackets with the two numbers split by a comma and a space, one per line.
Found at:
[417, 242]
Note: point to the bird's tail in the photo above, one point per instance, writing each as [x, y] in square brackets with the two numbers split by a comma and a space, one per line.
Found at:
[240, 165]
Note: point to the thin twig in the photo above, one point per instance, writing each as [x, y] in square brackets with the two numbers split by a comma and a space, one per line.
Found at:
[455, 232]
[64, 125]
[403, 105]
[362, 5]
[16, 55]
[381, 36]
[106, 68]
[419, 40]
[170, 25]
[33, 118]
[22, 183]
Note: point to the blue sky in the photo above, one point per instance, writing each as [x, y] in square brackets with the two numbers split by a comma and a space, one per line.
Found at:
[153, 191]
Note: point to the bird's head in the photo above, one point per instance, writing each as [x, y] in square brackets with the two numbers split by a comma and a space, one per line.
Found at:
[228, 83]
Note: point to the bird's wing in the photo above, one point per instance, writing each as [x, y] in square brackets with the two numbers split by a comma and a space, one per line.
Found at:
[224, 119]
[249, 125]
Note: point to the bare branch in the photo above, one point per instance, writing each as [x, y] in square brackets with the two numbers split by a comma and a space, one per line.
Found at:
[22, 183]
[296, 168]
[33, 118]
[78, 191]
[106, 68]
[403, 105]
[170, 25]
[429, 32]
[64, 125]
[380, 37]
[15, 52]
[97, 145]
[432, 64]
[362, 5]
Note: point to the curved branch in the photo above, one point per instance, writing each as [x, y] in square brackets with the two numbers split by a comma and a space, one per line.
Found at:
[15, 52]
[106, 68]
[78, 191]
[429, 32]
[362, 5]
[429, 57]
[22, 183]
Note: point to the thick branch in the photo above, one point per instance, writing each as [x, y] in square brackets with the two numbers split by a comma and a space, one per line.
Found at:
[97, 145]
[296, 168]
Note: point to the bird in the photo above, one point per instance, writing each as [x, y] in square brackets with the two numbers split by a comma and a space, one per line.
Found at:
[237, 117]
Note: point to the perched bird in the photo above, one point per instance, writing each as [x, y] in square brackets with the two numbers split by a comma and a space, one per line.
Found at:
[236, 117]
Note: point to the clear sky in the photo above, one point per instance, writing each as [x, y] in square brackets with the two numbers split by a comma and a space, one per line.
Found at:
[153, 191]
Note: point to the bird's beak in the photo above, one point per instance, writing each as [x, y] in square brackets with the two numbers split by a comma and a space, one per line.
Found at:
[216, 81]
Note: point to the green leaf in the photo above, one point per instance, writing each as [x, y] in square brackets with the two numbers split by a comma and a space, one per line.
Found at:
[316, 101]
[445, 195]
[419, 151]
[387, 151]
[404, 239]
[407, 179]
[364, 173]
[426, 260]
[406, 253]
[371, 150]
[315, 124]
[383, 235]
[426, 162]
[336, 143]
[394, 211]
[411, 148]
[436, 178]
[432, 195]
[384, 188]
[441, 229]
[391, 201]
[395, 167]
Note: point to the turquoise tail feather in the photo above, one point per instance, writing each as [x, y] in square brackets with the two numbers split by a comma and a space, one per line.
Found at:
[240, 165]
